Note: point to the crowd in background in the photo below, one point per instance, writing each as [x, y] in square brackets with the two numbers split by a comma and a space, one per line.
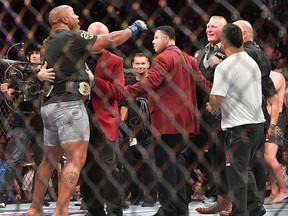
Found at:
[272, 38]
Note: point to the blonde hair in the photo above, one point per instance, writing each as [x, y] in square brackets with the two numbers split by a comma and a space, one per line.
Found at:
[219, 18]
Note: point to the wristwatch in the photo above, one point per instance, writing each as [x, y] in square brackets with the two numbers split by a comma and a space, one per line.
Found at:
[272, 126]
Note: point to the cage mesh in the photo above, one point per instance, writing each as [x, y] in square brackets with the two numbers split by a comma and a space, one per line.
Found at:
[25, 20]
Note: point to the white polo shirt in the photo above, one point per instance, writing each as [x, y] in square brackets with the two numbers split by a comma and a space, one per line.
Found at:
[238, 80]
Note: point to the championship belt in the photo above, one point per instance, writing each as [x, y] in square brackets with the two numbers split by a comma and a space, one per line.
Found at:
[84, 88]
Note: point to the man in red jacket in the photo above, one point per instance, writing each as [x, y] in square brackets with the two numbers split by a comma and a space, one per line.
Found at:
[171, 89]
[97, 187]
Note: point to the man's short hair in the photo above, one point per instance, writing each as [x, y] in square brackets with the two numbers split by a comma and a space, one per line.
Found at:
[167, 30]
[140, 54]
[32, 46]
[232, 35]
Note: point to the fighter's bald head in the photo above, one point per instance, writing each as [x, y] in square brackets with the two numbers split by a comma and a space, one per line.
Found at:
[245, 27]
[57, 13]
[98, 28]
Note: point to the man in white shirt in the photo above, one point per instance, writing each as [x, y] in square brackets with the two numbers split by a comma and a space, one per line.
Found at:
[237, 92]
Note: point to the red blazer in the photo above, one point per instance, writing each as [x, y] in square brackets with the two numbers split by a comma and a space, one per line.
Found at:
[171, 88]
[109, 68]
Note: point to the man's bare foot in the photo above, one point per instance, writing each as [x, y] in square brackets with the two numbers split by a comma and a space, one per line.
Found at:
[280, 197]
[270, 198]
[35, 212]
[60, 211]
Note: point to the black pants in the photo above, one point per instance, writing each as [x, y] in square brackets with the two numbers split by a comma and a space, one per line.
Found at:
[242, 143]
[141, 158]
[216, 152]
[100, 178]
[169, 152]
[22, 137]
[259, 169]
[215, 160]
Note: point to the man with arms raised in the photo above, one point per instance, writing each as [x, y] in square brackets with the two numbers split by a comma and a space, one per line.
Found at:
[66, 124]
[171, 89]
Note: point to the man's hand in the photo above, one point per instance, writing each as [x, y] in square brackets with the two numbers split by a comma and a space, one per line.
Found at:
[11, 94]
[216, 114]
[271, 135]
[90, 75]
[209, 108]
[214, 60]
[4, 87]
[138, 26]
[46, 74]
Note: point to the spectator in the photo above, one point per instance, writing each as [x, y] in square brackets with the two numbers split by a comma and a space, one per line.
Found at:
[198, 191]
[198, 180]
[4, 153]
[3, 164]
[271, 51]
[283, 44]
[141, 155]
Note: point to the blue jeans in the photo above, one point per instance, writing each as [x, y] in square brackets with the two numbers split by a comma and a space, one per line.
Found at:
[21, 138]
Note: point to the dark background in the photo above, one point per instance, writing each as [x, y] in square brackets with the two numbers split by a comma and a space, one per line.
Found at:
[23, 21]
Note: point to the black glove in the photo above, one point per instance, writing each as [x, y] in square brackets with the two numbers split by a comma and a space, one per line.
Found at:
[138, 26]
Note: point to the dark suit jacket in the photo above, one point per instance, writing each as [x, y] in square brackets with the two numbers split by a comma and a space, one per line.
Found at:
[105, 104]
[171, 87]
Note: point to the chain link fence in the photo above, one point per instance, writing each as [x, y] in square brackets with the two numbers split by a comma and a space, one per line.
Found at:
[25, 20]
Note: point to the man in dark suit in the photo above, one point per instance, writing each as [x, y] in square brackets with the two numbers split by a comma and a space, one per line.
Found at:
[215, 165]
[97, 187]
[269, 96]
[171, 89]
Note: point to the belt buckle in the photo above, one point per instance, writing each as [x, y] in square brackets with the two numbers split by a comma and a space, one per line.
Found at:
[84, 88]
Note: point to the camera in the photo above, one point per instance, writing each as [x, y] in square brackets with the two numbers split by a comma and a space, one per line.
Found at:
[24, 80]
[22, 75]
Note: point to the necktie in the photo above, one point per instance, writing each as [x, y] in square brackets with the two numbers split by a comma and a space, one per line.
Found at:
[210, 52]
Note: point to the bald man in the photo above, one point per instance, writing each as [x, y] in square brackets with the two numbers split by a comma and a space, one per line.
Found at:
[97, 185]
[269, 95]
[208, 59]
[66, 123]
